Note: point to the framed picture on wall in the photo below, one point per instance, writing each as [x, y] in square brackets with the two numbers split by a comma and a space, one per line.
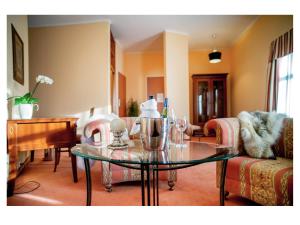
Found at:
[18, 56]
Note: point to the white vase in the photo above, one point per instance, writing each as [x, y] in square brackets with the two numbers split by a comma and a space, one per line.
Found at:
[25, 111]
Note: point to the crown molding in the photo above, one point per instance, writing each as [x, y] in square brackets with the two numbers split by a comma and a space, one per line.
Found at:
[176, 32]
[71, 23]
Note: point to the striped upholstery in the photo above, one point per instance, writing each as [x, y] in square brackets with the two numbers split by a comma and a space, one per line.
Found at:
[227, 132]
[284, 146]
[267, 182]
[97, 126]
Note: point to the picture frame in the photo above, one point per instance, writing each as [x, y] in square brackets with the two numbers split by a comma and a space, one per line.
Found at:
[18, 56]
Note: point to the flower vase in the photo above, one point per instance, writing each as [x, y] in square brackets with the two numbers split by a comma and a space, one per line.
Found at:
[25, 111]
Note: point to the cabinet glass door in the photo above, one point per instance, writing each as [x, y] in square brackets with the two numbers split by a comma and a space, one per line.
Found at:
[202, 101]
[218, 99]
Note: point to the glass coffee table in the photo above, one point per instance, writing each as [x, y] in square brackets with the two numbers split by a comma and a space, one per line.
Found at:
[174, 158]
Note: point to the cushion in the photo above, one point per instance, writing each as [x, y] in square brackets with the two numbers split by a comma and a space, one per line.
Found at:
[267, 182]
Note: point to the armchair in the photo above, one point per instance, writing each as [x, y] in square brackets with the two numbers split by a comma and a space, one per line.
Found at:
[265, 181]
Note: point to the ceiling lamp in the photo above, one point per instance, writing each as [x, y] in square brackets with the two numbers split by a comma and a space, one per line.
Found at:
[214, 56]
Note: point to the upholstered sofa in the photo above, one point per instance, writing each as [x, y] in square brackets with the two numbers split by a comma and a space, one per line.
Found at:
[265, 181]
[111, 173]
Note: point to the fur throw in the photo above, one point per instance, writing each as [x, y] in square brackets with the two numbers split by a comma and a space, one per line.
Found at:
[259, 131]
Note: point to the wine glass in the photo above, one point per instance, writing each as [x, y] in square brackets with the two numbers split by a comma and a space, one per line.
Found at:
[181, 125]
[172, 122]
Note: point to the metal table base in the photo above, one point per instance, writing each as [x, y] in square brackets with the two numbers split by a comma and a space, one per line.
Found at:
[155, 184]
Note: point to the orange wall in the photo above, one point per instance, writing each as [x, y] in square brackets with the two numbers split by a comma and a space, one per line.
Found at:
[199, 64]
[137, 66]
[77, 58]
[250, 55]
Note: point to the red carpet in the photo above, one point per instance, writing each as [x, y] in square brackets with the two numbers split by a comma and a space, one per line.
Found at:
[195, 186]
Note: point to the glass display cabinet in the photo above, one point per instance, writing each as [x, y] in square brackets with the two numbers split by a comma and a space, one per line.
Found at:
[209, 98]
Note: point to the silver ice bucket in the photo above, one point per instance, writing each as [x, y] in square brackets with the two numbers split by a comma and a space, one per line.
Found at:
[154, 133]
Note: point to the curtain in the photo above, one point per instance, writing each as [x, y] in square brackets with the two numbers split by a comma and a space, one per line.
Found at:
[280, 47]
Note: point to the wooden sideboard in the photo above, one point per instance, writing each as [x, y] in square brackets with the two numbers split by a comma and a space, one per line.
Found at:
[38, 134]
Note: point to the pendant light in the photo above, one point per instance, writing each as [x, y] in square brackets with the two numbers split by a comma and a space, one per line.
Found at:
[215, 55]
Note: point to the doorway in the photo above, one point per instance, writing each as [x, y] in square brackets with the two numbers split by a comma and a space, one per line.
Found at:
[155, 88]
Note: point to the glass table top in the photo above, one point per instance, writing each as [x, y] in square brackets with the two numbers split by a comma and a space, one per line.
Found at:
[194, 153]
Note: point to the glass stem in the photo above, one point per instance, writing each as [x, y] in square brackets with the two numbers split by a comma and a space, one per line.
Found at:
[181, 138]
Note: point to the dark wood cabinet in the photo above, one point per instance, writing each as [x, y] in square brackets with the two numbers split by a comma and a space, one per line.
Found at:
[209, 98]
[112, 69]
[112, 53]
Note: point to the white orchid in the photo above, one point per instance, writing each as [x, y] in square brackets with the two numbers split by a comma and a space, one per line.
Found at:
[44, 79]
[41, 79]
[28, 97]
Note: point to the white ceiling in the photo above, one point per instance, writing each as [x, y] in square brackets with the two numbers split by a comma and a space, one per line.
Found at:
[143, 32]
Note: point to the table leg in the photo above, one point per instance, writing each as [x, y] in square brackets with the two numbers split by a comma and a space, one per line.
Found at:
[157, 193]
[10, 187]
[47, 155]
[31, 155]
[88, 182]
[143, 184]
[74, 168]
[222, 182]
[148, 184]
[57, 155]
[154, 185]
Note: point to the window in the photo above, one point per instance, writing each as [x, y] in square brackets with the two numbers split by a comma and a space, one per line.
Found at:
[285, 85]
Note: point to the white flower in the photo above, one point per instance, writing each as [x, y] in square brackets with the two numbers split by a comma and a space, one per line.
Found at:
[44, 79]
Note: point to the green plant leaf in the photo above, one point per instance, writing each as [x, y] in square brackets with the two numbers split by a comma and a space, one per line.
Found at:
[133, 108]
[27, 95]
[20, 100]
[33, 100]
[26, 99]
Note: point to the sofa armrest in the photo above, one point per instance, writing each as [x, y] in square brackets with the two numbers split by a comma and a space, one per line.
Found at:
[97, 127]
[227, 133]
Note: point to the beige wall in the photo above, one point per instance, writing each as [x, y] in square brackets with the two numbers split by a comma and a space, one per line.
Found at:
[199, 64]
[176, 66]
[137, 66]
[250, 55]
[77, 57]
[14, 88]
[119, 69]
